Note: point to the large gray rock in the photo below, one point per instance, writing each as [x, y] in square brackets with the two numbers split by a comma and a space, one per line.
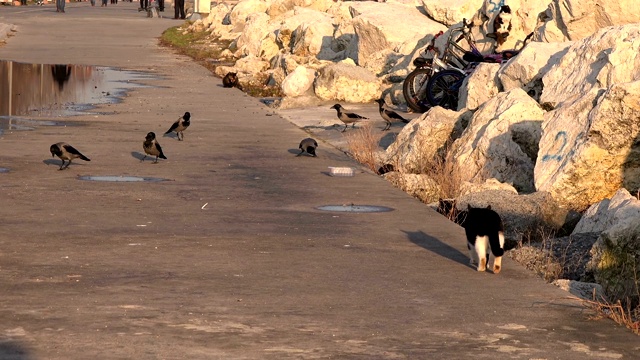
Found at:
[255, 39]
[589, 148]
[501, 141]
[525, 217]
[344, 82]
[314, 39]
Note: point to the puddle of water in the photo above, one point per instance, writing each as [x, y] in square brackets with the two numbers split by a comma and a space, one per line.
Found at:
[3, 170]
[355, 208]
[50, 90]
[115, 178]
[13, 123]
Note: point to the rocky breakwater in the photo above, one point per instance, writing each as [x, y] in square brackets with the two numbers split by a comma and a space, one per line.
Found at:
[551, 134]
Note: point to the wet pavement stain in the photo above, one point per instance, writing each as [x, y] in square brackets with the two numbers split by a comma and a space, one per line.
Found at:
[54, 90]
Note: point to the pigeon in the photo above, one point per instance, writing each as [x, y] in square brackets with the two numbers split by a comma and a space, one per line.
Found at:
[180, 125]
[151, 147]
[309, 145]
[389, 116]
[66, 152]
[347, 117]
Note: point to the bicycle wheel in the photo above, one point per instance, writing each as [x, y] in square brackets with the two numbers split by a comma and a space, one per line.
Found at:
[414, 89]
[442, 89]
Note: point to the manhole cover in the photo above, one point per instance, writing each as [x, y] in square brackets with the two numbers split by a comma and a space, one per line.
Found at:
[355, 208]
[3, 170]
[121, 178]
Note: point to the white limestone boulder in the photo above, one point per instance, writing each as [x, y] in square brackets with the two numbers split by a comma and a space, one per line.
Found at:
[295, 18]
[481, 85]
[282, 7]
[251, 65]
[216, 20]
[501, 141]
[298, 82]
[607, 57]
[610, 214]
[239, 13]
[589, 148]
[615, 256]
[344, 82]
[489, 185]
[379, 33]
[419, 186]
[525, 71]
[452, 11]
[565, 20]
[314, 39]
[255, 39]
[421, 140]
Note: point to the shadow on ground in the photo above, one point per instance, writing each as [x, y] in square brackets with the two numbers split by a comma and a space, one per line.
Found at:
[438, 247]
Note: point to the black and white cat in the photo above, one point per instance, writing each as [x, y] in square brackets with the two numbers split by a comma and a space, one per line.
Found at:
[485, 237]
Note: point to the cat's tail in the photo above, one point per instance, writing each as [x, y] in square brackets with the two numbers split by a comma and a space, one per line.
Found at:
[496, 241]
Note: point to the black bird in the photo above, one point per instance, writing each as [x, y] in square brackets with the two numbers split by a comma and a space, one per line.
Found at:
[309, 145]
[347, 117]
[180, 125]
[151, 147]
[389, 116]
[66, 152]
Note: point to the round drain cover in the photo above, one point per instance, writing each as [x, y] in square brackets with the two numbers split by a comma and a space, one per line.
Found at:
[121, 178]
[355, 208]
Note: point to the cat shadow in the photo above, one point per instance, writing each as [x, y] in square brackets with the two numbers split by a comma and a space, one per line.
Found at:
[438, 247]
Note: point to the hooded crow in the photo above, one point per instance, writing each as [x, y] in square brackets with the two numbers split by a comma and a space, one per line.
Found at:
[309, 145]
[180, 125]
[151, 147]
[66, 152]
[389, 116]
[347, 117]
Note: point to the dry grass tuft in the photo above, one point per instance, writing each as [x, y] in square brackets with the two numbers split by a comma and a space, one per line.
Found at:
[363, 146]
[622, 315]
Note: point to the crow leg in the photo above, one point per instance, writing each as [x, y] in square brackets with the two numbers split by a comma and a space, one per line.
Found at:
[300, 153]
[62, 165]
[345, 127]
[145, 156]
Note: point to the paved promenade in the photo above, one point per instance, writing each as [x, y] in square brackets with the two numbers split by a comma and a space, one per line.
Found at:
[231, 259]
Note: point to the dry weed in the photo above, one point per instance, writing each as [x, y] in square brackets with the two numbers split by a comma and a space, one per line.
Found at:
[617, 312]
[363, 146]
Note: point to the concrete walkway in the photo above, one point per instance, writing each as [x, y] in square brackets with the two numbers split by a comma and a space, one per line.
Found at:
[231, 259]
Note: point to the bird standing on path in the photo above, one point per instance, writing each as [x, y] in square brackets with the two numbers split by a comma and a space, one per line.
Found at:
[180, 125]
[151, 147]
[347, 117]
[66, 152]
[309, 145]
[389, 116]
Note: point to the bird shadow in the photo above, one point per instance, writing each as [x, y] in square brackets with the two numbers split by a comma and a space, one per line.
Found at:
[338, 127]
[58, 163]
[172, 135]
[138, 155]
[437, 246]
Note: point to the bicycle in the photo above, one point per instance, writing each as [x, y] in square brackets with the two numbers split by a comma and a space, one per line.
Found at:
[432, 61]
[443, 87]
